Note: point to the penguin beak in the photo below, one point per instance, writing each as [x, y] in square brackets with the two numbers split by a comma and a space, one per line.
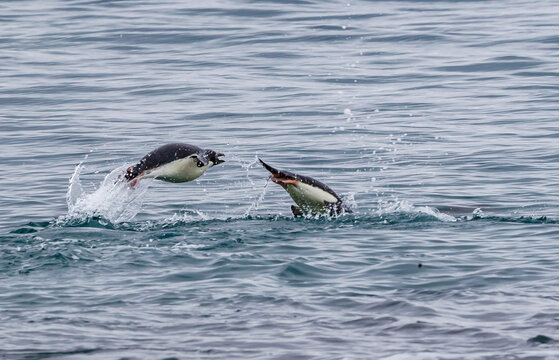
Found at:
[217, 158]
[214, 157]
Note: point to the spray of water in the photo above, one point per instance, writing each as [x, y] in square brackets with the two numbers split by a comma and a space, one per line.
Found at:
[256, 203]
[247, 165]
[349, 201]
[396, 206]
[113, 200]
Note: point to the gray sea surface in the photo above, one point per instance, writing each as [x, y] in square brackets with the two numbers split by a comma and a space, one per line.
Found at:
[436, 121]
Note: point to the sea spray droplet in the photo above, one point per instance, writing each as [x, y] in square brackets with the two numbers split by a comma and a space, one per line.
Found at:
[349, 201]
[347, 112]
[255, 204]
[247, 166]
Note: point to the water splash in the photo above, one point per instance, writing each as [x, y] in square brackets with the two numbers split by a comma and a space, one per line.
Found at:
[188, 215]
[115, 202]
[256, 203]
[396, 206]
[477, 214]
[75, 189]
[349, 202]
[247, 165]
[112, 200]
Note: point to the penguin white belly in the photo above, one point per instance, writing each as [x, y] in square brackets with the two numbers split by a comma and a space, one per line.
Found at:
[181, 170]
[310, 197]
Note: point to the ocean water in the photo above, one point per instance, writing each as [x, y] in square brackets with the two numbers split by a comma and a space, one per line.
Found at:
[435, 120]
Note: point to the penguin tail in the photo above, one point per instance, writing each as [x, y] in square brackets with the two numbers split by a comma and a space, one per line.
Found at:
[274, 171]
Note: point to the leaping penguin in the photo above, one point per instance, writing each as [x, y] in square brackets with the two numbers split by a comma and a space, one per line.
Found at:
[311, 196]
[173, 163]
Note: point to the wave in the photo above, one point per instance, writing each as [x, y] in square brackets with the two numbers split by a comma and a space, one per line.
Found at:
[389, 213]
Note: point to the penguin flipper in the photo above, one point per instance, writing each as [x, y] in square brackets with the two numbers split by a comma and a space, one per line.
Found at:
[297, 211]
[201, 159]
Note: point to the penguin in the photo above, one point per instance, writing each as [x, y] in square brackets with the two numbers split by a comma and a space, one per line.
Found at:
[174, 163]
[311, 196]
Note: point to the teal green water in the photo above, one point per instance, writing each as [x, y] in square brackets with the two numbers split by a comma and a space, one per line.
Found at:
[435, 121]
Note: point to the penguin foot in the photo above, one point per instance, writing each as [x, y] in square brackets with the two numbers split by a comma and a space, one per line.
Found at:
[134, 182]
[297, 211]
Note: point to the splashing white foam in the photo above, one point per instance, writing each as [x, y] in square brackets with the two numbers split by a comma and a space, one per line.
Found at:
[75, 189]
[477, 214]
[348, 200]
[187, 216]
[113, 199]
[403, 206]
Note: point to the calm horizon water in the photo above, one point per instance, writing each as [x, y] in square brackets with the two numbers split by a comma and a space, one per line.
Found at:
[436, 121]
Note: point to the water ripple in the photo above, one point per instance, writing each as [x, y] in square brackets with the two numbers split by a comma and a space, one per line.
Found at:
[435, 120]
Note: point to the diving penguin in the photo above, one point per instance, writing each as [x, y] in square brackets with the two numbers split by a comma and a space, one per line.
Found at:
[173, 163]
[311, 196]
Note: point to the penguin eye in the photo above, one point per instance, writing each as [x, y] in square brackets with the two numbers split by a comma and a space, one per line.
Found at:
[199, 163]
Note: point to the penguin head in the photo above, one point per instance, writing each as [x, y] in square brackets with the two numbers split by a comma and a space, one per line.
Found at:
[213, 156]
